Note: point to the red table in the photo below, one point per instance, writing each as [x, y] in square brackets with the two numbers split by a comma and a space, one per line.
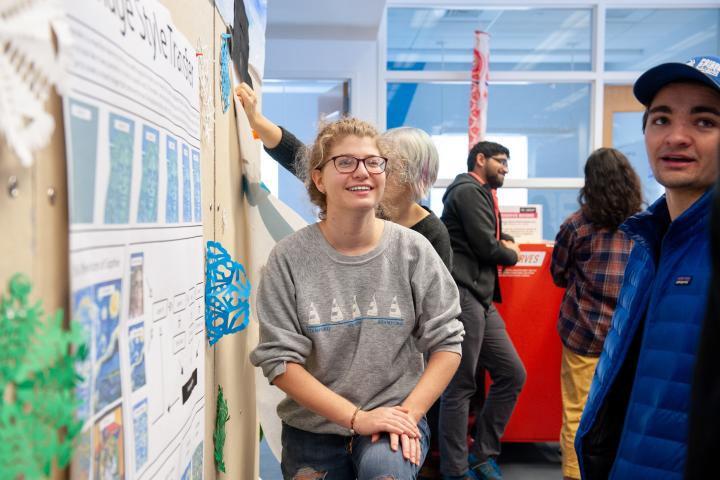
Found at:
[530, 309]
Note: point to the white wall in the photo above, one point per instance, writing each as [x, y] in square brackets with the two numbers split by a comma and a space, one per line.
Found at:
[357, 60]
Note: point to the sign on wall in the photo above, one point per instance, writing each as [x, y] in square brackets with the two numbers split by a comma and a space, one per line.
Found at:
[524, 223]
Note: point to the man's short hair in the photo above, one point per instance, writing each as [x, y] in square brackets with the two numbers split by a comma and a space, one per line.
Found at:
[488, 149]
[704, 70]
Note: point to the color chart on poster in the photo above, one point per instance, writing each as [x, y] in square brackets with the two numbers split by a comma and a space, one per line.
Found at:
[132, 126]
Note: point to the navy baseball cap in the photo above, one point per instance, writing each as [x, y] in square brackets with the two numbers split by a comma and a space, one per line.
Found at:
[705, 69]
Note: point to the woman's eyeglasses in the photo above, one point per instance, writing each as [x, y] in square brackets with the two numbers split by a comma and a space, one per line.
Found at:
[348, 164]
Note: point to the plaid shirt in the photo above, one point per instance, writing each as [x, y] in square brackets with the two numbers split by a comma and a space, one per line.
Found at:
[589, 263]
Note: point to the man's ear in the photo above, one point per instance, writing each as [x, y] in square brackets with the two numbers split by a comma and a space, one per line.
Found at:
[480, 160]
[316, 176]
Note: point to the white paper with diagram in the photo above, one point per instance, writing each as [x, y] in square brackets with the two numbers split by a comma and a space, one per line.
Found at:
[132, 129]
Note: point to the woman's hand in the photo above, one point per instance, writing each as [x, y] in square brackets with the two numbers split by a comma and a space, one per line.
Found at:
[395, 420]
[247, 98]
[411, 447]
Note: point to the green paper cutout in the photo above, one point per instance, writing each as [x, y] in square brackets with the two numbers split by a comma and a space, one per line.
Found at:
[221, 419]
[37, 385]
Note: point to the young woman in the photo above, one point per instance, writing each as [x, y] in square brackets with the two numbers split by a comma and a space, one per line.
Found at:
[346, 306]
[589, 262]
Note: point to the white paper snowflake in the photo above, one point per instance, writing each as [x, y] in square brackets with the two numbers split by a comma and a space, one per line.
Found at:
[207, 110]
[31, 32]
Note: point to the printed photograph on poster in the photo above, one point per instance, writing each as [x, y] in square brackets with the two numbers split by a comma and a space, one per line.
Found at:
[148, 203]
[107, 386]
[136, 337]
[85, 312]
[524, 223]
[108, 447]
[117, 198]
[140, 431]
[137, 297]
[83, 131]
[172, 178]
[81, 464]
[197, 463]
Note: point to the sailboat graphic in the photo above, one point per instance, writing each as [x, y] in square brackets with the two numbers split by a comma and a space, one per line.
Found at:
[372, 311]
[336, 315]
[313, 317]
[394, 309]
[355, 308]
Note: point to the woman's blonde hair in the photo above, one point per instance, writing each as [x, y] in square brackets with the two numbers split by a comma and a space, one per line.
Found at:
[314, 156]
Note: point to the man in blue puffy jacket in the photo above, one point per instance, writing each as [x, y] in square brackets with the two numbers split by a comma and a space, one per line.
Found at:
[635, 423]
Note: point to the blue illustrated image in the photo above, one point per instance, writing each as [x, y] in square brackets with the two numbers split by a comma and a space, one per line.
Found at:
[85, 314]
[117, 199]
[106, 328]
[197, 213]
[187, 191]
[136, 336]
[171, 197]
[147, 207]
[140, 429]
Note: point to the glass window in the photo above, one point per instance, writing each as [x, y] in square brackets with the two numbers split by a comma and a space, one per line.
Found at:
[557, 204]
[527, 39]
[637, 39]
[629, 139]
[545, 125]
[298, 105]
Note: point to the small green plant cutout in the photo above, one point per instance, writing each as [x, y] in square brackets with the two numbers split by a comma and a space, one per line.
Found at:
[221, 419]
[37, 385]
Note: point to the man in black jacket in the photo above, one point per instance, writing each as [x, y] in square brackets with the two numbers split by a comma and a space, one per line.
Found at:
[472, 218]
[704, 429]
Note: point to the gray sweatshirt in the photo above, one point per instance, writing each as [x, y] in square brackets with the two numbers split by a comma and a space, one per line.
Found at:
[357, 323]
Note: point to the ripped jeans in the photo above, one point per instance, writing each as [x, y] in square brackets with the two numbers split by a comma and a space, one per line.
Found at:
[323, 456]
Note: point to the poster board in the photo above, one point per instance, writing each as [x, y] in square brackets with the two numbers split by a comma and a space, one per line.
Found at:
[132, 129]
[37, 242]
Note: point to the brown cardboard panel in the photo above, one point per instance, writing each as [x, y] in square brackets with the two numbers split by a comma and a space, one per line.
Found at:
[17, 216]
[50, 227]
[233, 369]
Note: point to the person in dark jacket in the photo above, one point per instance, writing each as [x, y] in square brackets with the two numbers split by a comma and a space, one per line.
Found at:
[472, 218]
[635, 423]
[704, 432]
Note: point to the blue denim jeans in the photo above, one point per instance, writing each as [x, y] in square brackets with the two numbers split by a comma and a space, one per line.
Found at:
[323, 456]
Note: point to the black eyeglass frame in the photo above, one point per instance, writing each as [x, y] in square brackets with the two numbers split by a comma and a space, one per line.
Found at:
[502, 161]
[357, 163]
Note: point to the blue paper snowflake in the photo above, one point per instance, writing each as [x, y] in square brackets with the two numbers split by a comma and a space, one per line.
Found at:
[227, 294]
[225, 71]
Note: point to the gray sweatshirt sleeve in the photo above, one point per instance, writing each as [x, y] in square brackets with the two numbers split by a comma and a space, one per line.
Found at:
[281, 339]
[437, 305]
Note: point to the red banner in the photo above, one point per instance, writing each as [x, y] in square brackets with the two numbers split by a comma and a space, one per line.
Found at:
[477, 122]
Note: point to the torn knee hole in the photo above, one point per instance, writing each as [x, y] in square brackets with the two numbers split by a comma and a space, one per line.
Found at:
[309, 473]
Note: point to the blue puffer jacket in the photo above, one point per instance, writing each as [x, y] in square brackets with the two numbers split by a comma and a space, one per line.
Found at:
[635, 421]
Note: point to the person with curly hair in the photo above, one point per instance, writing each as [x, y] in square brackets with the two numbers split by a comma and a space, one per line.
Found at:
[589, 261]
[347, 306]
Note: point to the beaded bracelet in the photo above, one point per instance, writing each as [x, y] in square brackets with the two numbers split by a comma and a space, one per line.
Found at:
[352, 422]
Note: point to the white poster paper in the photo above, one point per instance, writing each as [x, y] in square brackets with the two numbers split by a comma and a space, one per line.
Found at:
[524, 223]
[132, 124]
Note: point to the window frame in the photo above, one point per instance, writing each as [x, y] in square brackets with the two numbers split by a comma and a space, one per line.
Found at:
[597, 77]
